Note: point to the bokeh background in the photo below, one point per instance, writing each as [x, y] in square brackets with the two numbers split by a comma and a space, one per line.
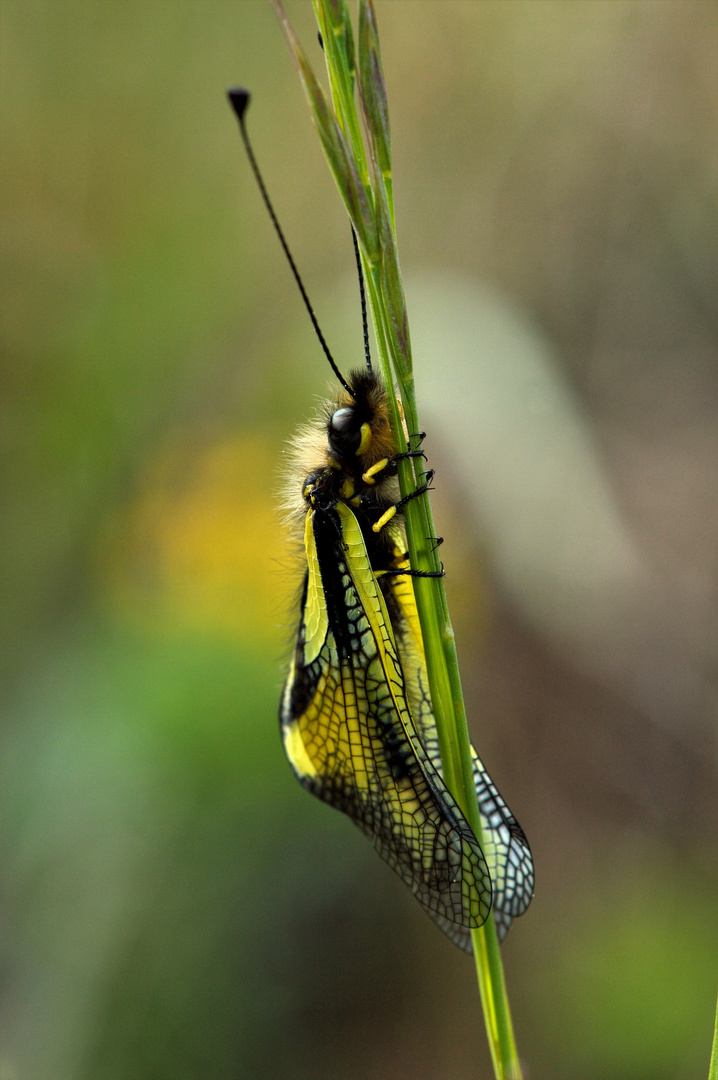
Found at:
[173, 905]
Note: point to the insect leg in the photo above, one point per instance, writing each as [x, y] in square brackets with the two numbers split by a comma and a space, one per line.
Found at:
[389, 514]
[409, 454]
[413, 573]
[426, 486]
[417, 452]
[369, 477]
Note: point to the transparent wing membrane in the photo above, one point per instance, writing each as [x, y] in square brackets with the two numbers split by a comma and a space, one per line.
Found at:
[506, 848]
[350, 737]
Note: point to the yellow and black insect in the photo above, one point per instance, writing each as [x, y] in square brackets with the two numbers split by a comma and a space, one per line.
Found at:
[355, 714]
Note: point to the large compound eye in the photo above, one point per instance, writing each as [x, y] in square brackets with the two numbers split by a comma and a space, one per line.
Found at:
[345, 430]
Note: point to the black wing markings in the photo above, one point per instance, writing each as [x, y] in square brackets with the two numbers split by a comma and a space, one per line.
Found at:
[506, 848]
[350, 737]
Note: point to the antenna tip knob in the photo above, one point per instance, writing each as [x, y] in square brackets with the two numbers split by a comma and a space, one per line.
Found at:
[239, 100]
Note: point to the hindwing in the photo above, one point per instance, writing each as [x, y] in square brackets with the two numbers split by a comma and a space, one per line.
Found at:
[505, 846]
[349, 734]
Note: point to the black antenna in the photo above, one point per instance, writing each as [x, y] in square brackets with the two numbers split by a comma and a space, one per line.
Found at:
[239, 100]
[364, 323]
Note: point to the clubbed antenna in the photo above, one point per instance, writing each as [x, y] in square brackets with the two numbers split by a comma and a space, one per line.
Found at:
[239, 100]
[364, 323]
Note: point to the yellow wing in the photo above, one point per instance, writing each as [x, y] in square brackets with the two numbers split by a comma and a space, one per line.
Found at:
[350, 737]
[505, 846]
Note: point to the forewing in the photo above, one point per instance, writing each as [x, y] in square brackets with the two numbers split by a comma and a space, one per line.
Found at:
[505, 846]
[350, 738]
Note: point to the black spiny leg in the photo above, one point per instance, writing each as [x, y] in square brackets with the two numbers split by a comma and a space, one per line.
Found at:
[393, 510]
[415, 573]
[409, 453]
[421, 490]
[389, 514]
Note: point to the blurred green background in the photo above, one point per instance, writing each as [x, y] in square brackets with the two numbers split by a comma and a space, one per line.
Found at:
[173, 905]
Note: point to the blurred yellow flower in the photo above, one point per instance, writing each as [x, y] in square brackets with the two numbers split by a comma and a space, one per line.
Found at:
[200, 546]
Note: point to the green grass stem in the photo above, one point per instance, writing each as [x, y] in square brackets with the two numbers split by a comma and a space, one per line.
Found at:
[362, 169]
[713, 1068]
